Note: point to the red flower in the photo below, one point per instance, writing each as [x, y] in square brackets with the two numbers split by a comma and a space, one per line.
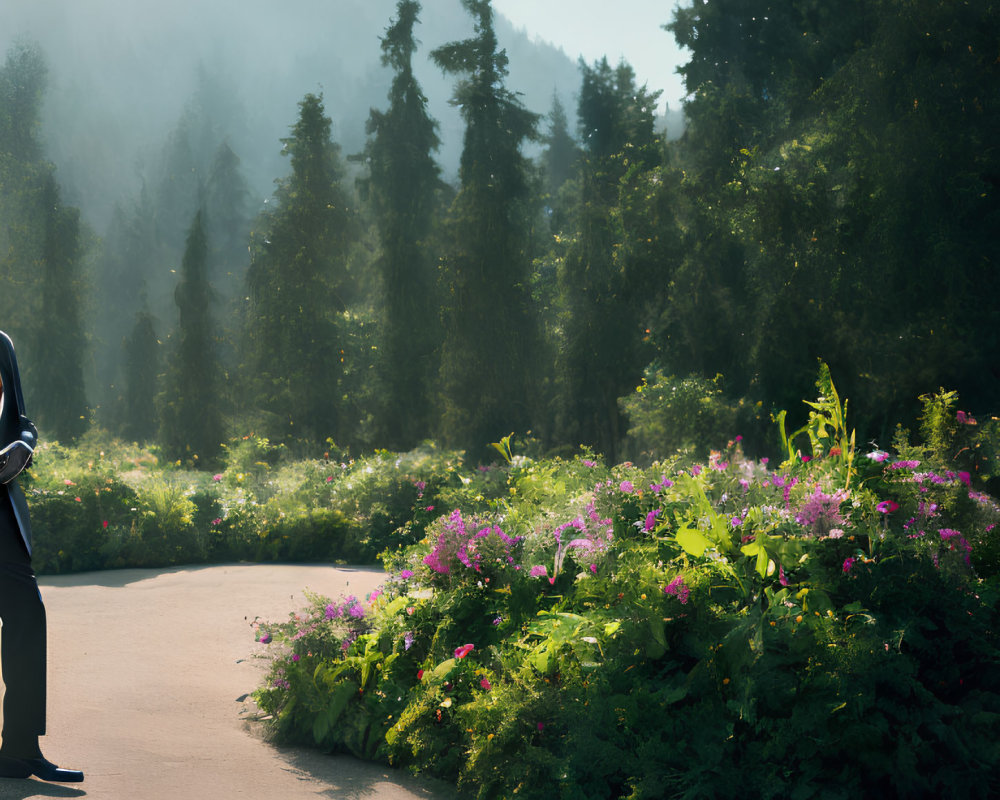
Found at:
[464, 650]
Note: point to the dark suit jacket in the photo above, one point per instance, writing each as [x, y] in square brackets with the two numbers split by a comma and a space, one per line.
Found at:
[14, 425]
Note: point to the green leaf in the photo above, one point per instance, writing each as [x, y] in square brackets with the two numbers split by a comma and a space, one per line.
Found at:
[693, 541]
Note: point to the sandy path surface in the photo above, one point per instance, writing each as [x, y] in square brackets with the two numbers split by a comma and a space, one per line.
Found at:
[146, 668]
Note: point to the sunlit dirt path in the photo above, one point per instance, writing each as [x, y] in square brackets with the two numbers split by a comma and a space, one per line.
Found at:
[146, 668]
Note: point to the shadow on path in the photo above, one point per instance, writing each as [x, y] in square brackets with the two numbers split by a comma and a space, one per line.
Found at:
[349, 778]
[18, 789]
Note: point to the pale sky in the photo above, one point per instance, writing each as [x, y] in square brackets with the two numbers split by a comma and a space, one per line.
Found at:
[613, 28]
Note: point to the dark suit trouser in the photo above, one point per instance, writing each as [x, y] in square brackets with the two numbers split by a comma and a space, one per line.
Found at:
[22, 643]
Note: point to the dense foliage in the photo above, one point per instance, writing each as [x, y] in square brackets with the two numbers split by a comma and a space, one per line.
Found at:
[820, 627]
[834, 196]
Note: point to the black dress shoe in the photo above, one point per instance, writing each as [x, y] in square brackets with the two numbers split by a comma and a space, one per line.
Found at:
[40, 767]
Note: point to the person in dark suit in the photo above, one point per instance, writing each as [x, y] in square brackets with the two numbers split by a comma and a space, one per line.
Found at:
[22, 642]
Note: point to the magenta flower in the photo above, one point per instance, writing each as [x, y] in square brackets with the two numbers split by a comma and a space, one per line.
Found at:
[295, 656]
[588, 463]
[626, 487]
[538, 571]
[848, 563]
[406, 573]
[485, 684]
[965, 478]
[329, 478]
[464, 650]
[651, 519]
[911, 464]
[677, 588]
[264, 638]
[887, 507]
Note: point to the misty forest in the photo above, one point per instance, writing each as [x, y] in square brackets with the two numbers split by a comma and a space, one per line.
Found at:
[410, 285]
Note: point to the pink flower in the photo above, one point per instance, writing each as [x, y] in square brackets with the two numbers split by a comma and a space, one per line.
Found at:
[593, 569]
[878, 455]
[264, 638]
[485, 684]
[295, 656]
[105, 523]
[677, 588]
[848, 563]
[464, 650]
[806, 459]
[965, 478]
[406, 573]
[217, 521]
[68, 482]
[217, 476]
[329, 478]
[538, 571]
[626, 487]
[887, 507]
[651, 519]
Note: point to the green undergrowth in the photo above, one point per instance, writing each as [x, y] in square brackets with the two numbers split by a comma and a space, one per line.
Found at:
[822, 627]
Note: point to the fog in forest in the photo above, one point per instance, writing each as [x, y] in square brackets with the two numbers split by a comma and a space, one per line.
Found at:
[373, 223]
[122, 76]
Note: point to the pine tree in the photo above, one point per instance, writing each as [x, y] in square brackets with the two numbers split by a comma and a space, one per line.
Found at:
[60, 345]
[603, 288]
[190, 418]
[403, 187]
[298, 287]
[142, 359]
[490, 338]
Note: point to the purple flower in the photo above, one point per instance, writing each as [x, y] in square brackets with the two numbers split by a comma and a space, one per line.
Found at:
[677, 588]
[406, 573]
[651, 519]
[295, 656]
[408, 640]
[736, 522]
[538, 571]
[356, 611]
[820, 512]
[264, 638]
[626, 487]
[588, 463]
[334, 612]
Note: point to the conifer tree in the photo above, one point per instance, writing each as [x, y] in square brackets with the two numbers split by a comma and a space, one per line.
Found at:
[142, 359]
[298, 287]
[490, 336]
[190, 418]
[559, 162]
[403, 188]
[60, 345]
[603, 289]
